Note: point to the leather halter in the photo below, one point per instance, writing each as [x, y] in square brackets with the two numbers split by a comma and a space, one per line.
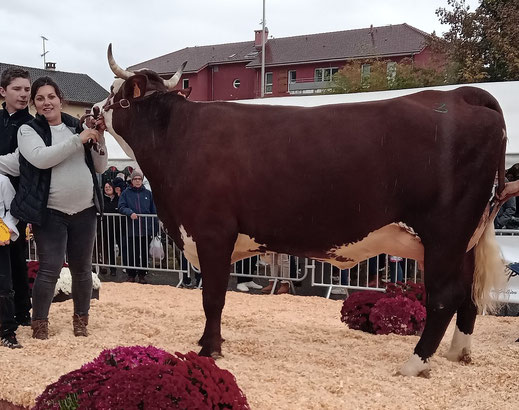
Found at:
[123, 103]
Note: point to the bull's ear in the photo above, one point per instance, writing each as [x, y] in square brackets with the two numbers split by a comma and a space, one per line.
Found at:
[135, 87]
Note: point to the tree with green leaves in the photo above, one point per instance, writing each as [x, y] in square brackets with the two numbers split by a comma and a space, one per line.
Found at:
[384, 75]
[481, 45]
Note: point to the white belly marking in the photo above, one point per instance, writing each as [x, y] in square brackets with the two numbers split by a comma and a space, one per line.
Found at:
[394, 239]
[244, 247]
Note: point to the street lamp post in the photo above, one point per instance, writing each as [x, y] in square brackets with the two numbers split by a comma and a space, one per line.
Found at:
[262, 94]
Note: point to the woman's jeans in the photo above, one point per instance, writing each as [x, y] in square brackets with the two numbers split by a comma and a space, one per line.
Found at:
[61, 234]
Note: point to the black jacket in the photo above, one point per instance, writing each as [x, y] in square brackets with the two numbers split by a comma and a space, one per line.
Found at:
[9, 125]
[30, 202]
[140, 201]
[111, 205]
[505, 215]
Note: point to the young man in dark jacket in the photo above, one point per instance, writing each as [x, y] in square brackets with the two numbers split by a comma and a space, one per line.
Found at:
[134, 201]
[15, 87]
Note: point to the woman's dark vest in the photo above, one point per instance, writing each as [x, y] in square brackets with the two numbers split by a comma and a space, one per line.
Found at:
[30, 202]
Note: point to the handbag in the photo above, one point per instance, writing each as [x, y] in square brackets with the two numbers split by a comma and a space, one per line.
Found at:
[156, 249]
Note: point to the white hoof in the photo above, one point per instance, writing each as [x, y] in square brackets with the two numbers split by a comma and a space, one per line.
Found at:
[415, 366]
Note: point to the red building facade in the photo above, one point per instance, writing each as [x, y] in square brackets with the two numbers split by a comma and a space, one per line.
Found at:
[293, 65]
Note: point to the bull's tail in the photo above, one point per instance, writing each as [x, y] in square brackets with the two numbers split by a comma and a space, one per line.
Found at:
[489, 272]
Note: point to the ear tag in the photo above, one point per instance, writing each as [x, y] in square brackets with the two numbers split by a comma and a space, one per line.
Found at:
[136, 91]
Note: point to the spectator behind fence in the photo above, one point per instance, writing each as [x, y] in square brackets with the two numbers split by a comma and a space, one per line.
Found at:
[119, 186]
[58, 194]
[133, 201]
[8, 233]
[396, 268]
[108, 230]
[505, 218]
[280, 267]
[344, 276]
[246, 267]
[15, 88]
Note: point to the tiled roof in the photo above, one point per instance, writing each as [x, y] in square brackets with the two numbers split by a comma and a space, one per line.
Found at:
[199, 57]
[393, 40]
[384, 41]
[77, 88]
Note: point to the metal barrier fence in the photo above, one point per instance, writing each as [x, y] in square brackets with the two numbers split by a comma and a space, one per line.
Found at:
[117, 247]
[507, 232]
[371, 274]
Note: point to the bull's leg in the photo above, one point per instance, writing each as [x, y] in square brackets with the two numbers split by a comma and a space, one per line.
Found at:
[215, 258]
[444, 293]
[466, 317]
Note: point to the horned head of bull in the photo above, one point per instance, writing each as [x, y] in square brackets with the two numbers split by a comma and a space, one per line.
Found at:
[125, 74]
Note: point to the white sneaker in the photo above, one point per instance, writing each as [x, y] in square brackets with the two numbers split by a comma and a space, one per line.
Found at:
[242, 287]
[252, 285]
[338, 291]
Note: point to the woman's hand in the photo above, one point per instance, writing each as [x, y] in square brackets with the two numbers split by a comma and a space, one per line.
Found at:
[511, 189]
[100, 124]
[89, 134]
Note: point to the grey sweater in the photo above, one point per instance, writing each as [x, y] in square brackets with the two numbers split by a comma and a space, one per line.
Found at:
[71, 187]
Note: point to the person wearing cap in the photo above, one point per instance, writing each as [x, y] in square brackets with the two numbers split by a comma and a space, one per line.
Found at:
[135, 202]
[119, 185]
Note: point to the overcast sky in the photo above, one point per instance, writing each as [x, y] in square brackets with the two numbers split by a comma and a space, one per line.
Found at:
[79, 31]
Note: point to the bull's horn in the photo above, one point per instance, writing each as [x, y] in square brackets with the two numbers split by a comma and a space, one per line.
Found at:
[118, 71]
[173, 81]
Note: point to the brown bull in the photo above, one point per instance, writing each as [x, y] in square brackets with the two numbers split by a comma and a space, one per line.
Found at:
[410, 176]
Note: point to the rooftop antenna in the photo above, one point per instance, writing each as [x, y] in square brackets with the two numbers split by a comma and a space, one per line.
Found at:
[44, 39]
[262, 94]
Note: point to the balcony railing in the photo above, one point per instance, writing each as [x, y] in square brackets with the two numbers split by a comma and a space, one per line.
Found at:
[309, 86]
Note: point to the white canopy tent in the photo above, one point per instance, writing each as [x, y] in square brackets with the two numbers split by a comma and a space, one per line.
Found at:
[116, 156]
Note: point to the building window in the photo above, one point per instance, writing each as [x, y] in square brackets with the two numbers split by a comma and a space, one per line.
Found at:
[365, 72]
[391, 72]
[268, 83]
[291, 76]
[325, 74]
[185, 83]
[236, 83]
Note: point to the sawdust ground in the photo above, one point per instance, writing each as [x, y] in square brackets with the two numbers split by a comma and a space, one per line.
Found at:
[286, 352]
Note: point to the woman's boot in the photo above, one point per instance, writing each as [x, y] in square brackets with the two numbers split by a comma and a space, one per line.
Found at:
[80, 324]
[40, 329]
[268, 288]
[284, 288]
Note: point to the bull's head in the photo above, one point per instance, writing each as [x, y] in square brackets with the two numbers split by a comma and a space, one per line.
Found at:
[129, 87]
